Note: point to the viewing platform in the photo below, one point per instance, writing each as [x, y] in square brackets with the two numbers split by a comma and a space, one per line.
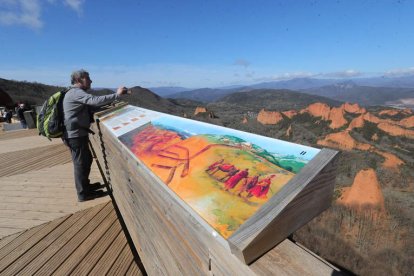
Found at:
[44, 230]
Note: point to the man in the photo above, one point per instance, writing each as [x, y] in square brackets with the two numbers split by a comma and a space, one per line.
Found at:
[77, 106]
[20, 115]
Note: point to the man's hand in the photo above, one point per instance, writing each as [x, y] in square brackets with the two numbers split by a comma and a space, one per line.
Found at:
[122, 90]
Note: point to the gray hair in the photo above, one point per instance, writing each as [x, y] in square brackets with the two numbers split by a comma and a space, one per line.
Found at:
[77, 75]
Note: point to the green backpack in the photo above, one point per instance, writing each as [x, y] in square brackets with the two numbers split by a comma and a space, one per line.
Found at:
[50, 120]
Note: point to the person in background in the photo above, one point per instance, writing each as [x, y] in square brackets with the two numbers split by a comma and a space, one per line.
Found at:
[77, 106]
[8, 116]
[20, 114]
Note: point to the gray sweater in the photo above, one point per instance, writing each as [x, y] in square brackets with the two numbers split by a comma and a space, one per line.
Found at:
[76, 106]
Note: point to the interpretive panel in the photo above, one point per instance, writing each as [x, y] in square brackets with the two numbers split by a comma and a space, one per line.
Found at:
[223, 174]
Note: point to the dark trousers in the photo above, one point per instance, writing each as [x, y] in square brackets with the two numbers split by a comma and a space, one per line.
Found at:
[82, 161]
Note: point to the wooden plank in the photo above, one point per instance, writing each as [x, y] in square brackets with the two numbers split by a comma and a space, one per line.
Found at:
[20, 223]
[109, 257]
[86, 264]
[77, 234]
[18, 134]
[10, 254]
[21, 238]
[94, 239]
[304, 197]
[26, 160]
[285, 259]
[134, 270]
[122, 263]
[4, 232]
[24, 143]
[110, 108]
[4, 241]
[37, 251]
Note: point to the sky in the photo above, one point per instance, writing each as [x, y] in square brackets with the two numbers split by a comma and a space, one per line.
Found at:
[204, 43]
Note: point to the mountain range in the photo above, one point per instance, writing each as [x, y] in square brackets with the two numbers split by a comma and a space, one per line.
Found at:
[398, 92]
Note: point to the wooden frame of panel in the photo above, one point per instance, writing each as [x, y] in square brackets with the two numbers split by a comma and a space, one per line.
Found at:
[171, 238]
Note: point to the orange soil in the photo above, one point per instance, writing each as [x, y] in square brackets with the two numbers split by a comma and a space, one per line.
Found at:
[364, 191]
[391, 112]
[407, 122]
[290, 113]
[371, 118]
[318, 110]
[200, 109]
[269, 117]
[396, 130]
[336, 115]
[358, 122]
[391, 161]
[344, 141]
[353, 108]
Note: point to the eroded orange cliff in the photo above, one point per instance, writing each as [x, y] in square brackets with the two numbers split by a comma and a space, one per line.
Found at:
[269, 117]
[365, 191]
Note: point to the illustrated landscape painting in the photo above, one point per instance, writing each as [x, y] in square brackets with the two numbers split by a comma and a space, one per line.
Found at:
[225, 175]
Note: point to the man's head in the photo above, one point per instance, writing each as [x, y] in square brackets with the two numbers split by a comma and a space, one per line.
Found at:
[80, 78]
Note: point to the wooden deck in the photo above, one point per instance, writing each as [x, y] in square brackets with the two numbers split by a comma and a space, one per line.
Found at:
[43, 228]
[36, 183]
[87, 242]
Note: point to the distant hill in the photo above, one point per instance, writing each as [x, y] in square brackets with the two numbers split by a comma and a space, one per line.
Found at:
[5, 99]
[364, 95]
[31, 93]
[365, 91]
[204, 94]
[165, 91]
[310, 83]
[269, 99]
[294, 84]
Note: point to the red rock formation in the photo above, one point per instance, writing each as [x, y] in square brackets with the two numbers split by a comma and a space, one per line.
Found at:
[391, 112]
[407, 122]
[391, 161]
[395, 130]
[407, 111]
[343, 140]
[200, 109]
[290, 113]
[353, 108]
[269, 117]
[318, 110]
[371, 118]
[357, 122]
[365, 191]
[336, 115]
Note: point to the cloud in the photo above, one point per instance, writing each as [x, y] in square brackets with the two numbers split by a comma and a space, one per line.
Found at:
[399, 72]
[29, 12]
[287, 76]
[242, 62]
[76, 5]
[343, 74]
[21, 12]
